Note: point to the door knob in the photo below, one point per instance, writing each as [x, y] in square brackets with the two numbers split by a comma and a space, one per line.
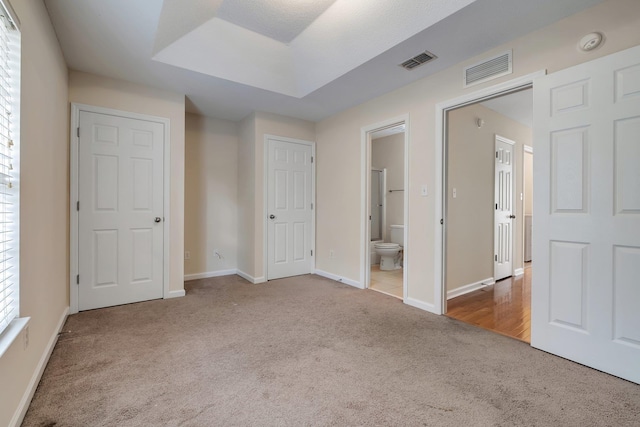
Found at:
[272, 216]
[512, 216]
[158, 219]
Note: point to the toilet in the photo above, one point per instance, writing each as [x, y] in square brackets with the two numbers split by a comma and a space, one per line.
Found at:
[391, 253]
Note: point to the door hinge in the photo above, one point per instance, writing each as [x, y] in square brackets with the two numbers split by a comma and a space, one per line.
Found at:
[77, 279]
[496, 258]
[311, 159]
[78, 132]
[311, 252]
[312, 206]
[496, 154]
[78, 205]
[441, 221]
[496, 206]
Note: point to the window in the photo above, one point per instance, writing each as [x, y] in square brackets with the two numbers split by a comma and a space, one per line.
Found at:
[9, 168]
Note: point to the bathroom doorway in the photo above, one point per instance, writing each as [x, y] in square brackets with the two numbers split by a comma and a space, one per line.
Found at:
[385, 219]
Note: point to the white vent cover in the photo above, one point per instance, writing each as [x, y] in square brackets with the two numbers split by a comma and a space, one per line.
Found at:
[418, 60]
[489, 69]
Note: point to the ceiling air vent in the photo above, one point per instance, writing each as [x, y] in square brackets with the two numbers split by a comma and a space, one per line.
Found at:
[489, 69]
[418, 60]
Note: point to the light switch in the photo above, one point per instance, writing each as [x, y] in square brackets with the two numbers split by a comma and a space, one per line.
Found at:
[454, 193]
[423, 190]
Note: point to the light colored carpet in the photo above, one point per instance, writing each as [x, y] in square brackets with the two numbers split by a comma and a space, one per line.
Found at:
[308, 351]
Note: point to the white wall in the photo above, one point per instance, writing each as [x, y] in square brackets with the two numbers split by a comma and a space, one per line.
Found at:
[105, 92]
[44, 200]
[339, 154]
[211, 194]
[246, 196]
[471, 170]
[388, 152]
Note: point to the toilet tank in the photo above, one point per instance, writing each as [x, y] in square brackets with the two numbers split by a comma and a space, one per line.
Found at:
[397, 234]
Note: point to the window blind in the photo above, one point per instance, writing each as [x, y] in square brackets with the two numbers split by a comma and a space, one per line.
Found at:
[9, 169]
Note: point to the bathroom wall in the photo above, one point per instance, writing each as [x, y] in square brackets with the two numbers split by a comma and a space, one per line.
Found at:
[388, 152]
[211, 195]
[471, 171]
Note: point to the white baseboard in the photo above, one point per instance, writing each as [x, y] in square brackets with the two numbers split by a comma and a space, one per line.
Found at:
[518, 272]
[209, 274]
[250, 278]
[340, 279]
[421, 305]
[21, 411]
[176, 294]
[470, 288]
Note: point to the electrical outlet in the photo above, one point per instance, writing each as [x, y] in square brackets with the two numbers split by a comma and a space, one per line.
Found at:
[217, 253]
[423, 190]
[26, 337]
[455, 193]
[331, 254]
[187, 255]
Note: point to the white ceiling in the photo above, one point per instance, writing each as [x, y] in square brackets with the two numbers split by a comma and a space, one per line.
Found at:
[302, 58]
[517, 106]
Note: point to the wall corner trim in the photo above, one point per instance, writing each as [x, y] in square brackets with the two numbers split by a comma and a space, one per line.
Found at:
[176, 294]
[422, 305]
[470, 288]
[210, 274]
[249, 278]
[340, 279]
[21, 410]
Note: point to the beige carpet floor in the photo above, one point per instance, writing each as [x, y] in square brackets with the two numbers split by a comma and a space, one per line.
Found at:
[307, 351]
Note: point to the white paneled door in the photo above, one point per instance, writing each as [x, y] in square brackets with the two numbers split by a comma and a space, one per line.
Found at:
[120, 187]
[504, 210]
[289, 209]
[586, 245]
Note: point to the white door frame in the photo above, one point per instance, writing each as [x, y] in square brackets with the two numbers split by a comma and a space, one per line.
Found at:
[265, 199]
[439, 288]
[365, 200]
[73, 193]
[513, 200]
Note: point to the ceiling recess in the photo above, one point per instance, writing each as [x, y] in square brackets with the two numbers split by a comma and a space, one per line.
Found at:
[489, 69]
[418, 60]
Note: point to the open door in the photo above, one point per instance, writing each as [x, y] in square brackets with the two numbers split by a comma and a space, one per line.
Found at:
[586, 288]
[504, 209]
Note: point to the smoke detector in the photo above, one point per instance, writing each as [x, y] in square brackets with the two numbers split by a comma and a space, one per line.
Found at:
[590, 42]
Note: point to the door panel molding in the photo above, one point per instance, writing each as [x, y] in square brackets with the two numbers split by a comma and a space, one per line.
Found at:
[265, 201]
[76, 109]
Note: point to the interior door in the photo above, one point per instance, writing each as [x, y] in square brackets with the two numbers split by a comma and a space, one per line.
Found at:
[504, 212]
[586, 245]
[120, 210]
[289, 210]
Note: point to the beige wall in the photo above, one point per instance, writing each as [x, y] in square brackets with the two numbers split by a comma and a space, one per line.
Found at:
[211, 194]
[251, 183]
[339, 145]
[246, 196]
[100, 91]
[388, 152]
[44, 200]
[471, 170]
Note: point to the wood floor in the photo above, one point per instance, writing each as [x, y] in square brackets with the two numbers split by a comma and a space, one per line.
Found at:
[504, 307]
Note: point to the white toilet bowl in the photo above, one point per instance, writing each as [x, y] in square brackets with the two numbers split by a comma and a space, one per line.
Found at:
[390, 258]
